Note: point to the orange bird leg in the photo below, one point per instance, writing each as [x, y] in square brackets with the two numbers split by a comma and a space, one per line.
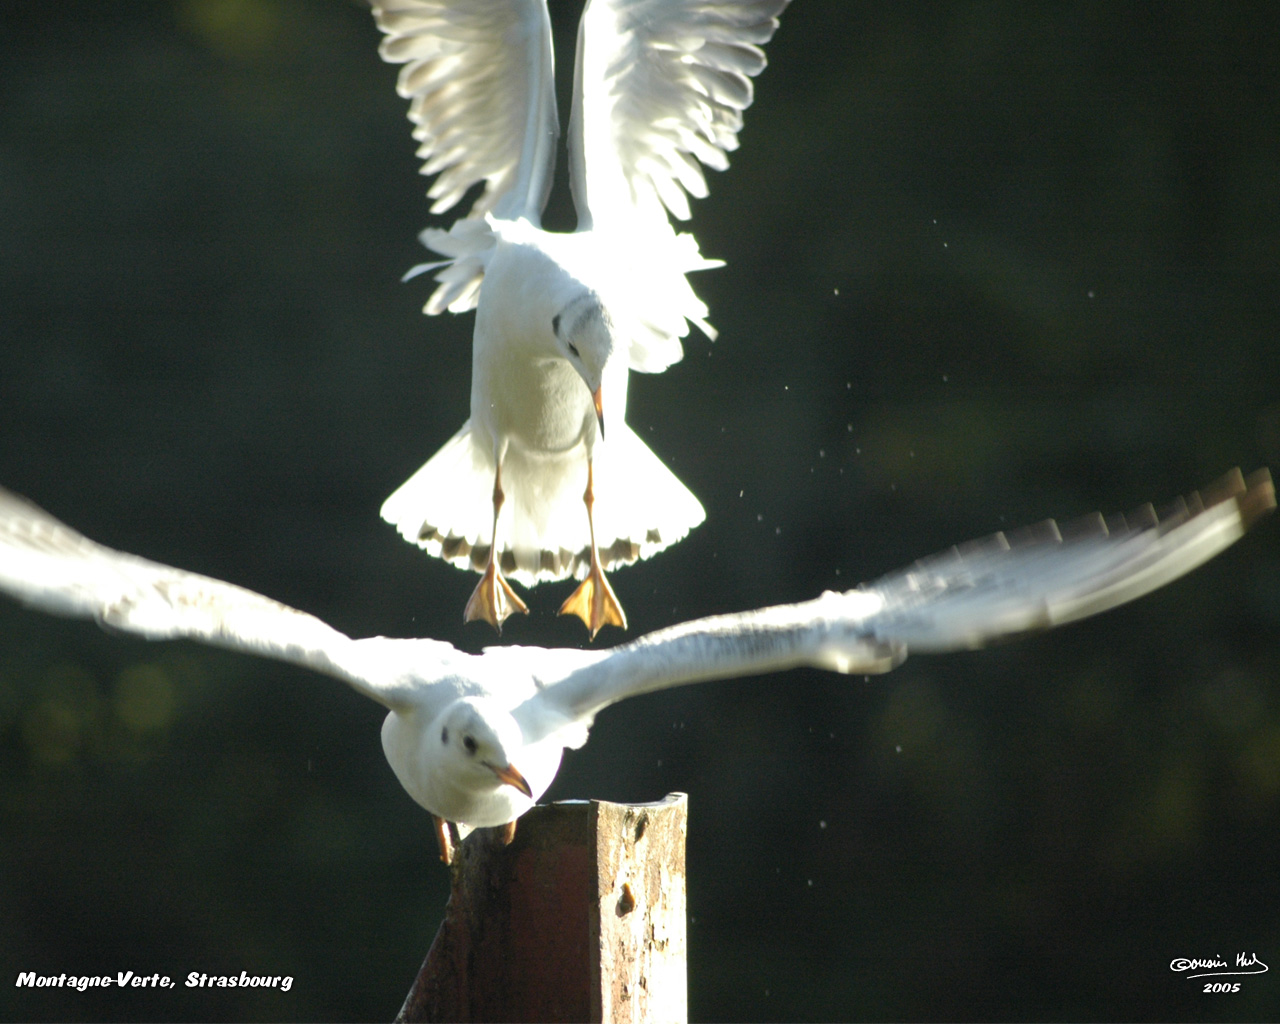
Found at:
[594, 602]
[493, 599]
[444, 839]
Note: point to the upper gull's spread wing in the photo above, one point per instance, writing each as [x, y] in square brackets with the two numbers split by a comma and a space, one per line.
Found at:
[47, 565]
[970, 596]
[660, 85]
[480, 80]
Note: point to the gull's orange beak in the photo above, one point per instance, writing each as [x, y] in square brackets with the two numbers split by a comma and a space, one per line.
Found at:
[599, 404]
[511, 777]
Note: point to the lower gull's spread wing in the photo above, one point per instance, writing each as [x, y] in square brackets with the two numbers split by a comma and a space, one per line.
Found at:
[1044, 576]
[972, 595]
[47, 565]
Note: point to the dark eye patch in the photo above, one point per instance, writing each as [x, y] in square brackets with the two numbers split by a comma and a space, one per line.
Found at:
[444, 735]
[470, 743]
[555, 323]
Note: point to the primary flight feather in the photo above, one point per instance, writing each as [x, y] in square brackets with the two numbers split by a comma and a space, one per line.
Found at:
[477, 739]
[546, 480]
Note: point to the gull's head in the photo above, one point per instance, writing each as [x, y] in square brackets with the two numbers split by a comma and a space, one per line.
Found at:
[475, 743]
[586, 337]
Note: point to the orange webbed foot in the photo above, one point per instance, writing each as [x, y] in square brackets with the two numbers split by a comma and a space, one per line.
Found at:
[595, 603]
[493, 600]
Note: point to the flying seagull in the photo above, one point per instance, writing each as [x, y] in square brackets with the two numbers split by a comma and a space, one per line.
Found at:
[477, 739]
[561, 318]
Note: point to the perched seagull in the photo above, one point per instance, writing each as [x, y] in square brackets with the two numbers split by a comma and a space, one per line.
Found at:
[477, 739]
[561, 318]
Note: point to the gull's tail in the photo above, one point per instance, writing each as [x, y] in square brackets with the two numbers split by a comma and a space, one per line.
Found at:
[446, 507]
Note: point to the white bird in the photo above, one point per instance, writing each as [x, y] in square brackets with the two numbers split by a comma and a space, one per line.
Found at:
[561, 318]
[477, 739]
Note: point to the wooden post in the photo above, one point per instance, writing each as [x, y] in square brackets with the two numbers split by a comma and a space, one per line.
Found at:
[581, 918]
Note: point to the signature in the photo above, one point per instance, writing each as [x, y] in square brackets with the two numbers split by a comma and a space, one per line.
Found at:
[1245, 963]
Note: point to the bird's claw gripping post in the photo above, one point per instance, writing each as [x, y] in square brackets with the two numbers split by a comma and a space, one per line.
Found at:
[448, 850]
[445, 840]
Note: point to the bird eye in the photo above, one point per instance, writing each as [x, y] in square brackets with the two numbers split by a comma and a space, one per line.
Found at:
[444, 735]
[574, 349]
[555, 323]
[470, 743]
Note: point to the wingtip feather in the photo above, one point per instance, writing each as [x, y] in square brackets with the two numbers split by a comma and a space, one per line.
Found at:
[1258, 499]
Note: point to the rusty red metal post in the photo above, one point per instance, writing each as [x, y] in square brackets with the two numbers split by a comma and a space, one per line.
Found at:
[581, 918]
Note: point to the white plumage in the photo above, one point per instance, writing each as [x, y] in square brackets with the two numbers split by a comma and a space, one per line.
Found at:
[561, 319]
[476, 739]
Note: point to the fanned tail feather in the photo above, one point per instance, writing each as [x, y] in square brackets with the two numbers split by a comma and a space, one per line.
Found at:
[640, 508]
[446, 507]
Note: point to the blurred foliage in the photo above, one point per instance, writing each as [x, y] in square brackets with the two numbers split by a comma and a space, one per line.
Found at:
[987, 261]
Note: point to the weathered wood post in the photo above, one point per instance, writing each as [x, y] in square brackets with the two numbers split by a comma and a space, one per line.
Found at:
[581, 918]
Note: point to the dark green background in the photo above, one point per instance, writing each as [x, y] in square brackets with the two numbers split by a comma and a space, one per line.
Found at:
[987, 262]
